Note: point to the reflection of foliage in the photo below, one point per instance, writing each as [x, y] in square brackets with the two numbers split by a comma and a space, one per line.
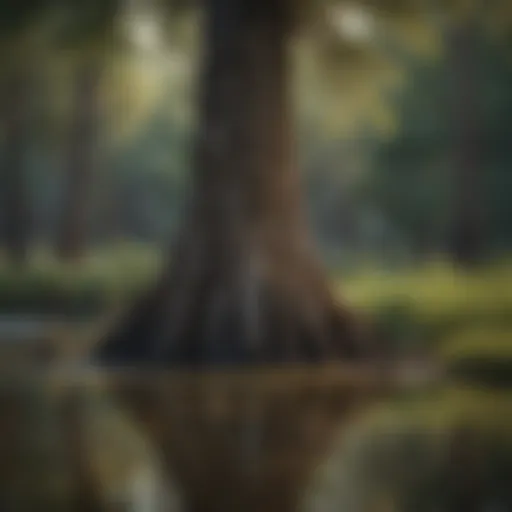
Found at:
[86, 20]
[423, 454]
[16, 16]
[68, 446]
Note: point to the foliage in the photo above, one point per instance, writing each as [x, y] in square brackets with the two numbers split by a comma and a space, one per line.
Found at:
[410, 180]
[149, 178]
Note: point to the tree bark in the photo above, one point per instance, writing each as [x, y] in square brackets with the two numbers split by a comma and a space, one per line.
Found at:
[15, 210]
[244, 284]
[72, 236]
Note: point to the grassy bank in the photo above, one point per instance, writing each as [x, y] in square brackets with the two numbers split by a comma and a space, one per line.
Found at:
[417, 309]
[103, 279]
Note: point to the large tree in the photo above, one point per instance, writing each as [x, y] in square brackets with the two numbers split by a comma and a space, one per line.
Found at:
[244, 284]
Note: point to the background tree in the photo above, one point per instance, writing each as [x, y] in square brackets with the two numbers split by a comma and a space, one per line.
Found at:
[468, 231]
[418, 178]
[86, 29]
[18, 40]
[75, 216]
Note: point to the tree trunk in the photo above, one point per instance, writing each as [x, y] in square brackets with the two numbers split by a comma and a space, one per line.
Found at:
[244, 285]
[72, 236]
[467, 232]
[15, 210]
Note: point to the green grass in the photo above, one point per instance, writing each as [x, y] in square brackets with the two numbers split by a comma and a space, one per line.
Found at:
[103, 279]
[423, 307]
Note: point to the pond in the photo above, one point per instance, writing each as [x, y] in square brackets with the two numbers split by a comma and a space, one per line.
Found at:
[221, 441]
[269, 439]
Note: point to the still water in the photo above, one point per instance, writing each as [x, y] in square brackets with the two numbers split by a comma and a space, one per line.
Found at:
[219, 441]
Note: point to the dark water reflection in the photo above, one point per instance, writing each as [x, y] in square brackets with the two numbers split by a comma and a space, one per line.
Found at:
[243, 442]
[246, 441]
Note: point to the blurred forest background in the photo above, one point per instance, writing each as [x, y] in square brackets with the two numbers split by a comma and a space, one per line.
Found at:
[402, 114]
[402, 109]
